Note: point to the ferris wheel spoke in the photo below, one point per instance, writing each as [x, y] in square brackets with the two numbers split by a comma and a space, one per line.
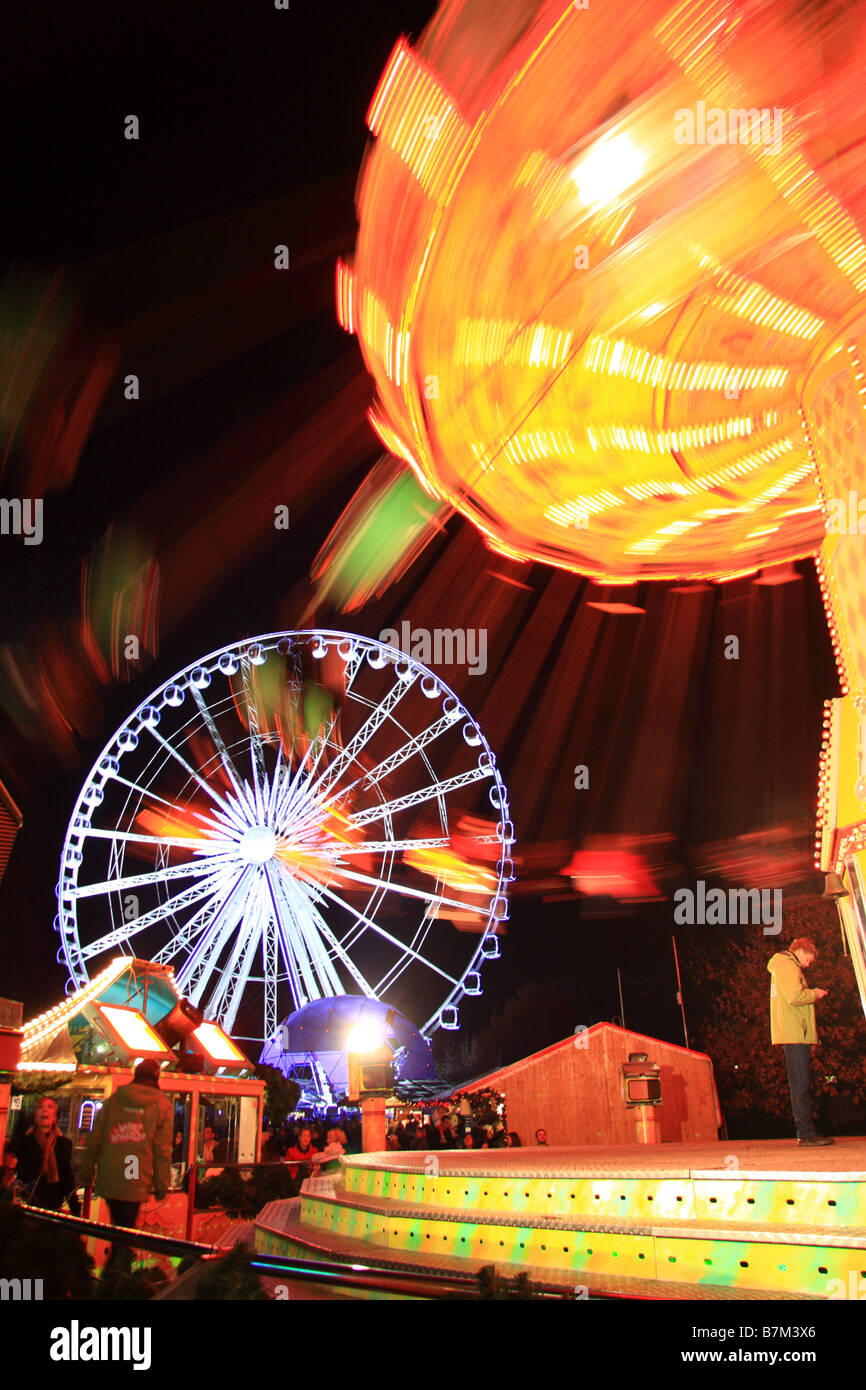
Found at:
[402, 803]
[144, 791]
[386, 936]
[182, 841]
[148, 919]
[256, 753]
[196, 969]
[412, 746]
[294, 925]
[275, 784]
[425, 894]
[353, 666]
[360, 739]
[289, 792]
[301, 912]
[193, 927]
[396, 970]
[190, 770]
[229, 975]
[270, 971]
[217, 739]
[287, 945]
[192, 870]
[390, 846]
[234, 993]
[325, 934]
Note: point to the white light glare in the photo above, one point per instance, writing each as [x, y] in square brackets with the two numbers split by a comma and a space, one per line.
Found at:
[365, 1036]
[611, 166]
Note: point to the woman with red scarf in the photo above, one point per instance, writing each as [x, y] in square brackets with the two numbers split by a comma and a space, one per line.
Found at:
[43, 1161]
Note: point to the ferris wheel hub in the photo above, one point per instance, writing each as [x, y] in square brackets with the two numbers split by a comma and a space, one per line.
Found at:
[257, 845]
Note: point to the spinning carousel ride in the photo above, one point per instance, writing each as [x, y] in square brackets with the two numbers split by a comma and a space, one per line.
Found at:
[609, 283]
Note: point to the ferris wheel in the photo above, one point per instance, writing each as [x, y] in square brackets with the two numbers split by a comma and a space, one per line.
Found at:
[297, 816]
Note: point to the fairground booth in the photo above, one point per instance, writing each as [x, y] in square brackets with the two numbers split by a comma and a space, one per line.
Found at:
[82, 1050]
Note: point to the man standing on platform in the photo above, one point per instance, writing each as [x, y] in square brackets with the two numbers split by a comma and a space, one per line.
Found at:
[792, 1026]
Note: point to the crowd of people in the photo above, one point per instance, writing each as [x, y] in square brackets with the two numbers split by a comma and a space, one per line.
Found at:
[39, 1158]
[451, 1130]
[307, 1145]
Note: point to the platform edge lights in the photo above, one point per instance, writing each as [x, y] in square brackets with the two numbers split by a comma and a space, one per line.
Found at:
[41, 1027]
[124, 1023]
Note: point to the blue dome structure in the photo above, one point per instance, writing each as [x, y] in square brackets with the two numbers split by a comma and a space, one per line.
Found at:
[310, 1046]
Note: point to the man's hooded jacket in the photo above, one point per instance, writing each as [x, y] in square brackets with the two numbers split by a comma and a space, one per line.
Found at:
[133, 1124]
[792, 1002]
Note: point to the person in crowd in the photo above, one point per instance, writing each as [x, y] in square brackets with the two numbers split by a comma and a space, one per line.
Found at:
[449, 1132]
[213, 1150]
[437, 1135]
[792, 1027]
[130, 1150]
[497, 1140]
[353, 1131]
[302, 1154]
[317, 1136]
[513, 1140]
[42, 1161]
[327, 1160]
[468, 1141]
[541, 1138]
[271, 1148]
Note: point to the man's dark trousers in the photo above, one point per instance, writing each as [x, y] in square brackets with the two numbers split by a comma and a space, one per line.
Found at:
[122, 1214]
[798, 1058]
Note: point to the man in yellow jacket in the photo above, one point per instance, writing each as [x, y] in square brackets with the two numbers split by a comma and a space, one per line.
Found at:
[792, 1026]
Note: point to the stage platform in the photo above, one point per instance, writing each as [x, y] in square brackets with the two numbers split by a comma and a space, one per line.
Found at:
[714, 1220]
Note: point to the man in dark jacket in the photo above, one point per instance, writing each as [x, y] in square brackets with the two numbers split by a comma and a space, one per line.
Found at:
[130, 1147]
[42, 1160]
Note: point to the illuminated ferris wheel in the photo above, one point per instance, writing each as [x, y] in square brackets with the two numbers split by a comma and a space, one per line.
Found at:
[298, 816]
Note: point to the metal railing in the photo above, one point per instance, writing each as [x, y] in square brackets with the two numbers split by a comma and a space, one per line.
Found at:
[410, 1283]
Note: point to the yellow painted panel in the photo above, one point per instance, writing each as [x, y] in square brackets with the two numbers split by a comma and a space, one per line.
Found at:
[752, 1265]
[781, 1202]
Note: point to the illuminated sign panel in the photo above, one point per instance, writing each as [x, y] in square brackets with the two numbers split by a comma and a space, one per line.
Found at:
[218, 1046]
[133, 1030]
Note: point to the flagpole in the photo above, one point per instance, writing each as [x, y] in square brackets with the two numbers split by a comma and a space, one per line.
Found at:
[680, 991]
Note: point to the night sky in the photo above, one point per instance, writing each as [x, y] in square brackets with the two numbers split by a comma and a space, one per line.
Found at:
[252, 134]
